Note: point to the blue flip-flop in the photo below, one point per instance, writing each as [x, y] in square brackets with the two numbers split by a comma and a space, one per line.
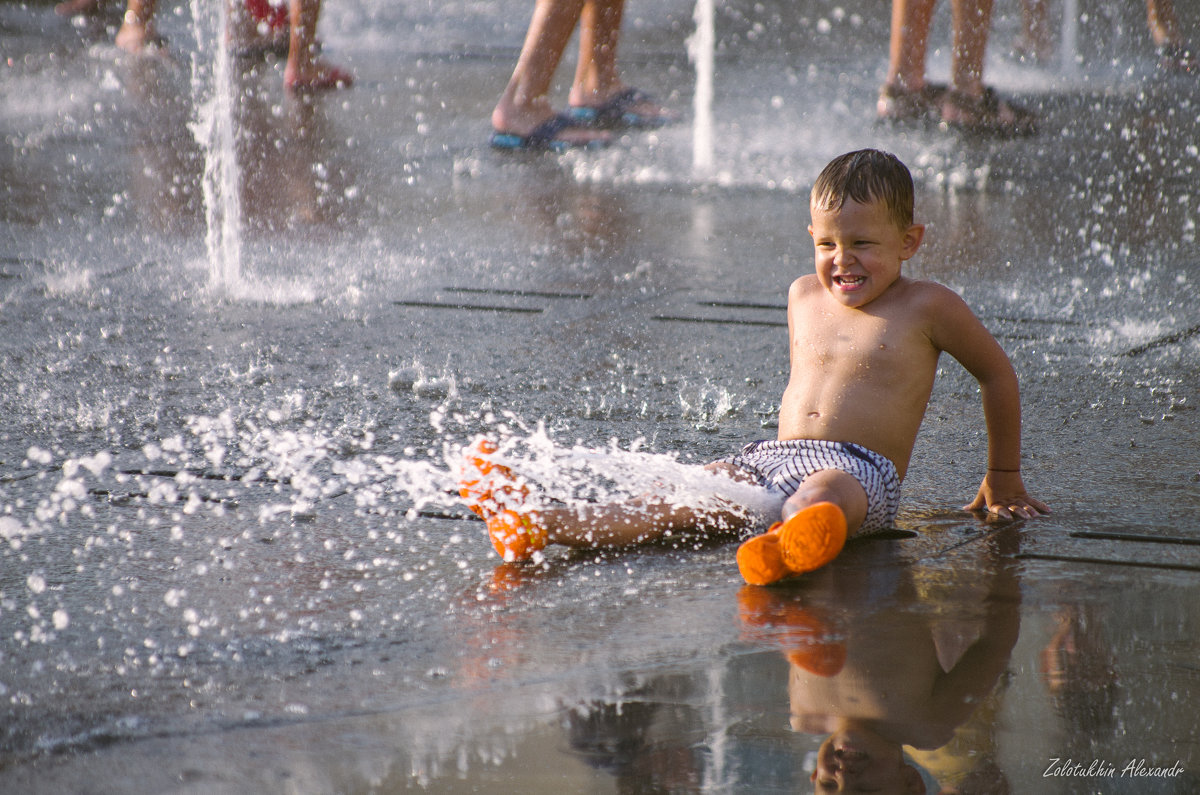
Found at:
[544, 137]
[616, 114]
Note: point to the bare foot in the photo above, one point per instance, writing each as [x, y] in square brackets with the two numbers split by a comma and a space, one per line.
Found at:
[139, 39]
[317, 76]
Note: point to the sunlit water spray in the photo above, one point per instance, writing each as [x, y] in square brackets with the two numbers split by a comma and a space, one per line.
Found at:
[271, 471]
[214, 128]
[701, 47]
[1070, 38]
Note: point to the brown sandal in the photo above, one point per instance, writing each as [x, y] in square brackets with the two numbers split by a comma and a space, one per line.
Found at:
[1178, 58]
[898, 105]
[987, 115]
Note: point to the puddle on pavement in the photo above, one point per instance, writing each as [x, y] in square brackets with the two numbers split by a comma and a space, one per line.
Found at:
[232, 555]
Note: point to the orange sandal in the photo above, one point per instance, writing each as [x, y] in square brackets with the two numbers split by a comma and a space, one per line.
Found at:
[516, 536]
[488, 487]
[805, 542]
[493, 492]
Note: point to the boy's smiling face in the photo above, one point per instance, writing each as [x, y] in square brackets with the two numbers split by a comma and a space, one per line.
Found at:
[859, 250]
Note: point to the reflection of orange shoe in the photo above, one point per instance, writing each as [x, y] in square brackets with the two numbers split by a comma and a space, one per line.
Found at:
[516, 536]
[807, 541]
[488, 487]
[820, 658]
[507, 578]
[809, 641]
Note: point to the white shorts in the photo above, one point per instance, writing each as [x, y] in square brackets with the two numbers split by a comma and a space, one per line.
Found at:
[781, 466]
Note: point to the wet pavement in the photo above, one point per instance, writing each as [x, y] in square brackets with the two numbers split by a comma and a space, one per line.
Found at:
[231, 558]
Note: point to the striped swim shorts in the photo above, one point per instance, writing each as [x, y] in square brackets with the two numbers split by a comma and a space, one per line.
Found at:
[781, 466]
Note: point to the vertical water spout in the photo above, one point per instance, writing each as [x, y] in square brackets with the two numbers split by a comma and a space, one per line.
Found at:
[1070, 38]
[214, 128]
[701, 46]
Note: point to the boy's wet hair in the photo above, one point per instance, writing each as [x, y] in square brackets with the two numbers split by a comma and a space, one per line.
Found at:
[865, 176]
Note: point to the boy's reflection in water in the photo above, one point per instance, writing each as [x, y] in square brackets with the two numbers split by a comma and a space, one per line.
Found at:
[891, 662]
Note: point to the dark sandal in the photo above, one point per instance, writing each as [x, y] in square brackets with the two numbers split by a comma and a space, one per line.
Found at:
[989, 115]
[616, 114]
[1178, 58]
[544, 138]
[898, 105]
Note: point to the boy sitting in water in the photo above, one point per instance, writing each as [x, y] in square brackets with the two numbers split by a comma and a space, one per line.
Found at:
[865, 342]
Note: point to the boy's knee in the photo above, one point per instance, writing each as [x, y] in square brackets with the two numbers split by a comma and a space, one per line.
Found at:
[806, 497]
[831, 485]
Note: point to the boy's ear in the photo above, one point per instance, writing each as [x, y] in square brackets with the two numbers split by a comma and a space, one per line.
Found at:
[911, 240]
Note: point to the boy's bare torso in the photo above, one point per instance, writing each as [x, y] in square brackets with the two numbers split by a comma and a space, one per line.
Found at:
[860, 375]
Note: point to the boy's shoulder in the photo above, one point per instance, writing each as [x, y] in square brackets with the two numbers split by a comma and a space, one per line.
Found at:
[926, 289]
[936, 297]
[802, 285]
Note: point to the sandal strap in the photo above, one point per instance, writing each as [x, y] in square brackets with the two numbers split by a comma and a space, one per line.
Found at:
[900, 104]
[548, 131]
[985, 114]
[616, 106]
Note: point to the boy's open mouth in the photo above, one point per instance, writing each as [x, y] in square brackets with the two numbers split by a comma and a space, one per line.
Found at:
[849, 281]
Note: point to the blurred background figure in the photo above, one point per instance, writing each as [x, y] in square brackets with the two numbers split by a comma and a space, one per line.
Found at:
[967, 104]
[306, 70]
[72, 8]
[1174, 52]
[524, 117]
[1034, 43]
[282, 27]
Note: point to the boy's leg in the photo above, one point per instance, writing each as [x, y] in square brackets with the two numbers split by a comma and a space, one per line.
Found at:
[517, 534]
[831, 485]
[828, 508]
[635, 521]
[648, 518]
[492, 491]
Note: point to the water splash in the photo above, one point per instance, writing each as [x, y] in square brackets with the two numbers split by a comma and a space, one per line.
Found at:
[269, 472]
[215, 130]
[701, 47]
[1070, 39]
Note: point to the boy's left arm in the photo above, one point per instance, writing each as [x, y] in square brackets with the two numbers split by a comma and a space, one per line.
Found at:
[959, 333]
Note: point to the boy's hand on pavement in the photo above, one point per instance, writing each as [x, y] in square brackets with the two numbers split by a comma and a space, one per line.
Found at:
[1004, 494]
